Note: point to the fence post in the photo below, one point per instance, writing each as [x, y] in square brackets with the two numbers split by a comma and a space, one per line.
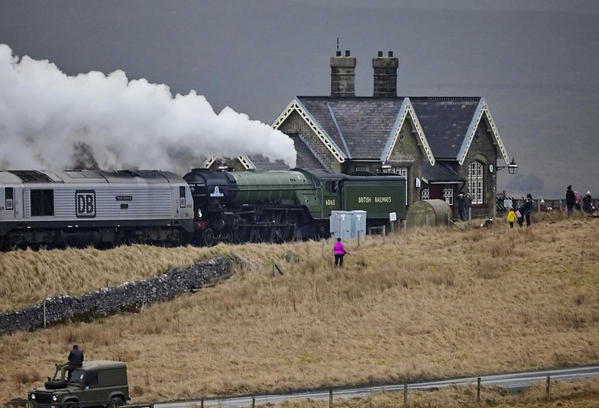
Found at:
[358, 239]
[469, 214]
[478, 390]
[44, 314]
[330, 398]
[405, 392]
[253, 402]
[202, 403]
[548, 386]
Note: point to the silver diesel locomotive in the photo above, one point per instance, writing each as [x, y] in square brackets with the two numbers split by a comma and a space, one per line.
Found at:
[93, 207]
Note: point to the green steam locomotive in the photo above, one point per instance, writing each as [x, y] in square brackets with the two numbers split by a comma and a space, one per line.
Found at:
[277, 206]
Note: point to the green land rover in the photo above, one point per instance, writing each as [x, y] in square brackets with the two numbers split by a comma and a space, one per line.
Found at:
[95, 384]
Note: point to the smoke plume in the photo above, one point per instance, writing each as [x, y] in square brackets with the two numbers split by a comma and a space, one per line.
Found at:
[51, 120]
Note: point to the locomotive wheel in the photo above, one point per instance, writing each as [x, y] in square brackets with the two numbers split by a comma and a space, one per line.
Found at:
[255, 235]
[208, 237]
[276, 236]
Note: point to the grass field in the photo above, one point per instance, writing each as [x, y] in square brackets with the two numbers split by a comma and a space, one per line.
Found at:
[583, 394]
[433, 303]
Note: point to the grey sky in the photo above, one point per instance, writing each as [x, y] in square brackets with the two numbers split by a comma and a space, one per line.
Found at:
[535, 62]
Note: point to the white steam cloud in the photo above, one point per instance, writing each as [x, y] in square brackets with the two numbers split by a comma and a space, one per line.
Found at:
[51, 120]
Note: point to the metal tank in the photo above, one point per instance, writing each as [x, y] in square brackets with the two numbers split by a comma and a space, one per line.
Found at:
[428, 212]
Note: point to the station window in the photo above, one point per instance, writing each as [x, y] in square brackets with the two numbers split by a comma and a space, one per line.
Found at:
[42, 203]
[476, 181]
[8, 198]
[399, 170]
[448, 194]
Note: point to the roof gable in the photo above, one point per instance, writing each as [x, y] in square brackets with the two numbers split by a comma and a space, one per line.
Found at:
[296, 106]
[482, 111]
[357, 127]
[451, 122]
[407, 111]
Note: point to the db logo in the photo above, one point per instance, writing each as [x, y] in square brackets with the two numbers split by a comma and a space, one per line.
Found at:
[85, 203]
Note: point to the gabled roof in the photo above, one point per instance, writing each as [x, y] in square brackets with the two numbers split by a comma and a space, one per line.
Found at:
[450, 124]
[356, 127]
[445, 122]
[307, 158]
[440, 172]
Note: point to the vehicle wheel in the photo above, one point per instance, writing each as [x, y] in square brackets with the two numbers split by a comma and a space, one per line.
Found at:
[70, 404]
[208, 237]
[116, 402]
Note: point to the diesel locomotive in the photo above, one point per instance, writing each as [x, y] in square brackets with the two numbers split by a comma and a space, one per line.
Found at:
[83, 207]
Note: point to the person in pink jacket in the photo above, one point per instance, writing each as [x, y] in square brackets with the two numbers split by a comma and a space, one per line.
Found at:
[339, 251]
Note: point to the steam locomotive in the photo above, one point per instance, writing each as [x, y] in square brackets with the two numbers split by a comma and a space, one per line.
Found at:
[94, 207]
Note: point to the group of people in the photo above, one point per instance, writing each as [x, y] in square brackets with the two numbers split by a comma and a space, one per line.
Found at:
[522, 213]
[573, 201]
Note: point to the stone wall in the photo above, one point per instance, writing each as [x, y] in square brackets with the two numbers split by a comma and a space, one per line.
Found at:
[107, 301]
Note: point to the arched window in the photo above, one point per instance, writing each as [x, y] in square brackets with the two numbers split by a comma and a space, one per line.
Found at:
[476, 182]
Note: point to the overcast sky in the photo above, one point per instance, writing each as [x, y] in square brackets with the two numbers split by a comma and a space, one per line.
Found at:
[535, 62]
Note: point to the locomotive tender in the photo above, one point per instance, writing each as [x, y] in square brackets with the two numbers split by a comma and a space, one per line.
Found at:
[78, 207]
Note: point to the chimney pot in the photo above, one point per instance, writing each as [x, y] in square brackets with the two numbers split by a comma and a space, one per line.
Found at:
[385, 75]
[343, 70]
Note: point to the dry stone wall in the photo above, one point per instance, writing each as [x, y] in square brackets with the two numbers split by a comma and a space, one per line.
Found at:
[107, 301]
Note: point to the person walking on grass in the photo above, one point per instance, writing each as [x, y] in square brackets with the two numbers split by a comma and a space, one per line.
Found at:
[339, 251]
[570, 200]
[511, 217]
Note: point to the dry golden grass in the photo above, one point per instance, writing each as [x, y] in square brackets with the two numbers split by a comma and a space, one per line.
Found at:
[584, 394]
[434, 303]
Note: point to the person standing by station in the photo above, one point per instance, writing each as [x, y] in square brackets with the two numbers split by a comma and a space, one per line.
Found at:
[511, 216]
[339, 251]
[527, 209]
[462, 206]
[570, 200]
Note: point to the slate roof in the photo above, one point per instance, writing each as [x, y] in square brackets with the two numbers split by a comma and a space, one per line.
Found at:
[439, 172]
[359, 126]
[262, 163]
[445, 122]
[306, 158]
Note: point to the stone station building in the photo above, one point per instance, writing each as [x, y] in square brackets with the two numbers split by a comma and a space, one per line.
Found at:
[443, 145]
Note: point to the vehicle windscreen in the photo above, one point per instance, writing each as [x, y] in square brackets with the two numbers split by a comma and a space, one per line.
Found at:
[77, 377]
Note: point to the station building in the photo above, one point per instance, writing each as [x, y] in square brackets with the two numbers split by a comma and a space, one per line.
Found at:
[443, 145]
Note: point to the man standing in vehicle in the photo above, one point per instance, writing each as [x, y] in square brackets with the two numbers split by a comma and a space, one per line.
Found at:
[75, 361]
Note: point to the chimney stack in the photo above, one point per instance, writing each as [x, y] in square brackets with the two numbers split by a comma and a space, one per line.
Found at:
[343, 72]
[385, 75]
